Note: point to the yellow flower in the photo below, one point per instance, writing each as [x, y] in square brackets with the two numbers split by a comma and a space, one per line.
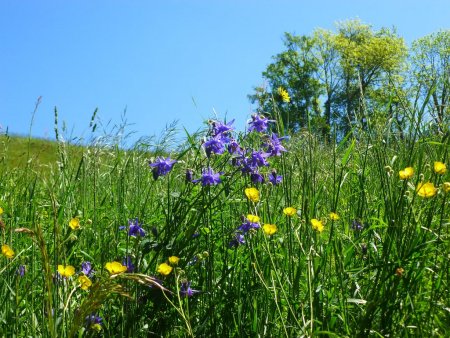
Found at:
[269, 229]
[74, 223]
[164, 269]
[440, 168]
[284, 94]
[1, 210]
[426, 190]
[406, 173]
[115, 267]
[446, 187]
[252, 194]
[7, 251]
[66, 271]
[174, 260]
[317, 225]
[253, 218]
[334, 216]
[85, 282]
[289, 211]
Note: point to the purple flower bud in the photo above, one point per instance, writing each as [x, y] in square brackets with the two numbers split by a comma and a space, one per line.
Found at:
[86, 268]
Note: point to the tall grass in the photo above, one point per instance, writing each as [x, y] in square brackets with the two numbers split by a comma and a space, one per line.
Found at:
[381, 269]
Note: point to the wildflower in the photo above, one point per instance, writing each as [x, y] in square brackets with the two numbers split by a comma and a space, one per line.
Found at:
[209, 177]
[253, 218]
[94, 322]
[162, 167]
[189, 175]
[1, 211]
[252, 194]
[446, 187]
[135, 229]
[237, 240]
[258, 123]
[21, 270]
[219, 128]
[269, 229]
[7, 251]
[115, 267]
[440, 168]
[186, 291]
[274, 178]
[85, 282]
[258, 159]
[357, 225]
[334, 216]
[256, 177]
[173, 260]
[66, 271]
[74, 223]
[234, 148]
[399, 272]
[426, 190]
[289, 211]
[283, 94]
[164, 269]
[317, 225]
[86, 268]
[406, 173]
[128, 263]
[214, 145]
[274, 146]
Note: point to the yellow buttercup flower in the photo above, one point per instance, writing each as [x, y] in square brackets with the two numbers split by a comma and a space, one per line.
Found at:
[164, 269]
[317, 225]
[426, 190]
[7, 251]
[270, 229]
[74, 223]
[66, 271]
[252, 194]
[446, 187]
[85, 282]
[253, 218]
[283, 94]
[289, 211]
[334, 216]
[1, 210]
[406, 173]
[174, 260]
[440, 168]
[115, 267]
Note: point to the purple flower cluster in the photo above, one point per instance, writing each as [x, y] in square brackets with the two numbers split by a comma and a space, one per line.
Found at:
[258, 123]
[128, 263]
[209, 177]
[246, 227]
[219, 138]
[134, 228]
[162, 167]
[357, 225]
[186, 290]
[86, 269]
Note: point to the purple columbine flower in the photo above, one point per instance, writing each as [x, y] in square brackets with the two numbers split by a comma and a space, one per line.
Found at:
[274, 146]
[189, 175]
[274, 178]
[219, 128]
[237, 240]
[21, 270]
[86, 268]
[186, 290]
[209, 177]
[246, 226]
[258, 123]
[162, 166]
[258, 159]
[214, 145]
[135, 229]
[256, 177]
[94, 322]
[357, 225]
[128, 263]
[234, 148]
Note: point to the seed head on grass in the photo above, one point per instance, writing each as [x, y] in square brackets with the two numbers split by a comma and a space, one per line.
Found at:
[7, 251]
[440, 168]
[426, 190]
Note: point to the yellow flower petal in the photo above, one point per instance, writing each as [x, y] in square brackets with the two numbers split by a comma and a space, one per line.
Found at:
[174, 260]
[66, 271]
[283, 94]
[406, 173]
[7, 251]
[270, 229]
[317, 225]
[115, 267]
[426, 190]
[252, 194]
[334, 216]
[164, 269]
[253, 218]
[74, 223]
[446, 187]
[289, 211]
[85, 282]
[440, 168]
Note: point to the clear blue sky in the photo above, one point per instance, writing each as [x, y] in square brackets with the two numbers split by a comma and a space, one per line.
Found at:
[156, 58]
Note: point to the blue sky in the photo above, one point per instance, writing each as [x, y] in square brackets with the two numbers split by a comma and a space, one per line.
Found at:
[162, 60]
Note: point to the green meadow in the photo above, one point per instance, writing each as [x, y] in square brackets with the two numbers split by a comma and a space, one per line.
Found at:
[258, 228]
